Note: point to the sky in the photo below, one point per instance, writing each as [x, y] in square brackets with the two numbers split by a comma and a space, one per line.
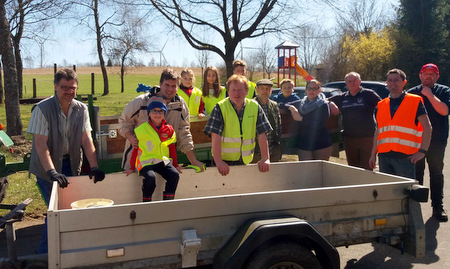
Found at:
[73, 45]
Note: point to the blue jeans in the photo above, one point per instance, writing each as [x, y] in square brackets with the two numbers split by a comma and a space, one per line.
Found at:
[397, 166]
[435, 160]
[45, 188]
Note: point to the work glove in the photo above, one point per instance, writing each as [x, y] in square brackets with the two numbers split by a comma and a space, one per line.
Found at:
[60, 178]
[98, 174]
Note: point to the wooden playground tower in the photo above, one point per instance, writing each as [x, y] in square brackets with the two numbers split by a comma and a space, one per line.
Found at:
[287, 62]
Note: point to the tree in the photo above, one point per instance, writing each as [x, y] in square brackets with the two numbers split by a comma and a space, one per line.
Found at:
[13, 122]
[100, 28]
[423, 32]
[369, 54]
[266, 56]
[128, 41]
[310, 39]
[28, 19]
[233, 21]
[203, 58]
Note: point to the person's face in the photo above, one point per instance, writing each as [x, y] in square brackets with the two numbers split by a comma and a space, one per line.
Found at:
[66, 90]
[168, 89]
[312, 90]
[237, 92]
[428, 78]
[395, 83]
[240, 70]
[353, 83]
[264, 92]
[211, 77]
[186, 80]
[287, 89]
[156, 115]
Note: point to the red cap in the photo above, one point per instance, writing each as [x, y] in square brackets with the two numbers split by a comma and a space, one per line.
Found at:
[431, 66]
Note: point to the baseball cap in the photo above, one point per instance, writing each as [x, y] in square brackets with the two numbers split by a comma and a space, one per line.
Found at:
[264, 81]
[430, 66]
[156, 102]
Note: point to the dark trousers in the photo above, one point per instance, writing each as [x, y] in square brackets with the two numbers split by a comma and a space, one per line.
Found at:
[435, 160]
[168, 172]
[358, 150]
[45, 188]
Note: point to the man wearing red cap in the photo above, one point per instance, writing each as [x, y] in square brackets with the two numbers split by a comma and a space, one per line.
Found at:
[436, 99]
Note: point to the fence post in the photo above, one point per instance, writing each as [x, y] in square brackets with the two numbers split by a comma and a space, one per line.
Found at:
[92, 83]
[75, 68]
[34, 88]
[54, 68]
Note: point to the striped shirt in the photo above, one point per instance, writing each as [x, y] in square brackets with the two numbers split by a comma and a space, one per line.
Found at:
[39, 125]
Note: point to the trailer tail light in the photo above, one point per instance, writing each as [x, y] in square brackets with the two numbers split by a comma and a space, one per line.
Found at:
[380, 221]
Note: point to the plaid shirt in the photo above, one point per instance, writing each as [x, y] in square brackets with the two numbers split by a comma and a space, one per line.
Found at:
[216, 123]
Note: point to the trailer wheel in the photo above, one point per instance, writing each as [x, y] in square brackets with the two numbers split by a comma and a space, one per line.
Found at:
[3, 187]
[282, 255]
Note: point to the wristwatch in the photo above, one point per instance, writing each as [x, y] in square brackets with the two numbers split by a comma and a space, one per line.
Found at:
[423, 151]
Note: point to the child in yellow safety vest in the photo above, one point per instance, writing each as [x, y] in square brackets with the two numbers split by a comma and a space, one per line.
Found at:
[156, 152]
[190, 94]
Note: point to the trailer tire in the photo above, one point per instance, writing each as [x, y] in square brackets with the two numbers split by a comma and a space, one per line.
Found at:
[3, 187]
[282, 255]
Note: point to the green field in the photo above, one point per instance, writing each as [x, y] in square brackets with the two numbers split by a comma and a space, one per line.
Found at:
[22, 187]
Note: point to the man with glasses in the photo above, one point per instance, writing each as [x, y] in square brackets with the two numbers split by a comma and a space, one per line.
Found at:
[233, 126]
[61, 129]
[436, 99]
[403, 129]
[357, 106]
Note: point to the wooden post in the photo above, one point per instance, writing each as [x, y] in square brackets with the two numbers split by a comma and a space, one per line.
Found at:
[92, 83]
[34, 88]
[75, 68]
[54, 68]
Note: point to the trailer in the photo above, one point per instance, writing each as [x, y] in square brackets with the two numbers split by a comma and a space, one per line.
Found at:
[295, 215]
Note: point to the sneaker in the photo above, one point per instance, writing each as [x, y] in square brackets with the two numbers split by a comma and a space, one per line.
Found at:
[439, 214]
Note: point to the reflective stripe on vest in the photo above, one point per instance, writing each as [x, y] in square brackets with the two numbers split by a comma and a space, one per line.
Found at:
[151, 149]
[235, 145]
[399, 133]
[192, 101]
[211, 101]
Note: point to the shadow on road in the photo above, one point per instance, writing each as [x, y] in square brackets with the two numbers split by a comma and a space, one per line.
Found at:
[384, 256]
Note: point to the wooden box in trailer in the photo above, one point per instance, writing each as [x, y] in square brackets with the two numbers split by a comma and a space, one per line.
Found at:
[346, 205]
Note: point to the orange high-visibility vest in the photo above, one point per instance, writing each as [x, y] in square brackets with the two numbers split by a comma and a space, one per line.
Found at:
[399, 133]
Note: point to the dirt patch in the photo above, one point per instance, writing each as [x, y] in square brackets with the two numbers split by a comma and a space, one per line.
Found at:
[21, 146]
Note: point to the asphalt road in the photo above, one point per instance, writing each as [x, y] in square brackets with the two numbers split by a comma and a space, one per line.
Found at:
[364, 256]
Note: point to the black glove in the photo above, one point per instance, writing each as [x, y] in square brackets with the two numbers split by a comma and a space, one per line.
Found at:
[55, 176]
[98, 174]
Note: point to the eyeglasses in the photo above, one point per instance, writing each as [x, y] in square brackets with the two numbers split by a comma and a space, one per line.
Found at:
[157, 111]
[68, 88]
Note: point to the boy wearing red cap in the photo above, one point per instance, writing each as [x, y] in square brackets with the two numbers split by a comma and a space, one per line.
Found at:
[436, 99]
[156, 152]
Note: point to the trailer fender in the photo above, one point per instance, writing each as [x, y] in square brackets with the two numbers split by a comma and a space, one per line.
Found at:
[256, 233]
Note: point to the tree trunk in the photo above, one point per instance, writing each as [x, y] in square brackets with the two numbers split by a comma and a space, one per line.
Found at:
[122, 74]
[1, 84]
[100, 49]
[19, 68]
[13, 122]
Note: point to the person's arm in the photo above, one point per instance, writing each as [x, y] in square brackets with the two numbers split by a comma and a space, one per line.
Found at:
[295, 114]
[216, 146]
[437, 104]
[373, 155]
[128, 123]
[264, 163]
[43, 152]
[426, 138]
[333, 108]
[89, 149]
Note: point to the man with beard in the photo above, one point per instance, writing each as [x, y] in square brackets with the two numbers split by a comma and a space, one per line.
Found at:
[436, 99]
